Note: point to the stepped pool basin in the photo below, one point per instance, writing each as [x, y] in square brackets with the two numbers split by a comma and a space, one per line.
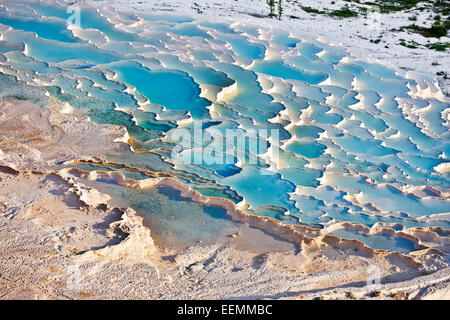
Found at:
[282, 125]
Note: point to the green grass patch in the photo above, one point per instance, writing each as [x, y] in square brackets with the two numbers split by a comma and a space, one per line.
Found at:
[438, 46]
[410, 44]
[437, 30]
[344, 12]
[312, 10]
[389, 6]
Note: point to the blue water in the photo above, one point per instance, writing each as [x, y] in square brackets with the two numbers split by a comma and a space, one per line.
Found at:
[89, 19]
[352, 143]
[48, 29]
[307, 131]
[243, 47]
[173, 89]
[307, 149]
[281, 70]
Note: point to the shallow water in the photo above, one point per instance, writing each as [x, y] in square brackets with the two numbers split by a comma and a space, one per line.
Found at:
[356, 141]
